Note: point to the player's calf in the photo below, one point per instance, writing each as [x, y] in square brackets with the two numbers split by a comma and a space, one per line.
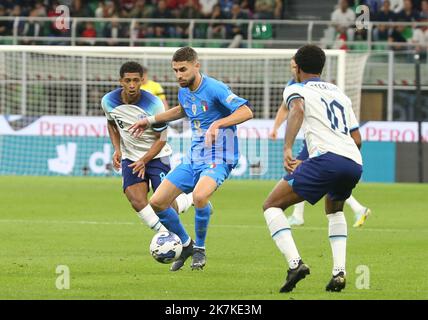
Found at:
[184, 202]
[149, 217]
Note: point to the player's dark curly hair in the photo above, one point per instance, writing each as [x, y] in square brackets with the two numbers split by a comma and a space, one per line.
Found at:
[310, 58]
[131, 67]
[185, 54]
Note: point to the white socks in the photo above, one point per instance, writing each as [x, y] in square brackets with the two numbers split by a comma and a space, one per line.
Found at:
[281, 233]
[337, 232]
[150, 218]
[355, 205]
[298, 211]
[184, 202]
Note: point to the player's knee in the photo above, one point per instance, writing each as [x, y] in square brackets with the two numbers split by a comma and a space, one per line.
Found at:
[274, 204]
[200, 199]
[139, 204]
[157, 205]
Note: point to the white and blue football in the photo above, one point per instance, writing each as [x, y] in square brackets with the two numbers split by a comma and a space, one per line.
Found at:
[165, 247]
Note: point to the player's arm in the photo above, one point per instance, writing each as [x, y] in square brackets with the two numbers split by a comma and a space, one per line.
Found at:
[356, 135]
[281, 116]
[242, 114]
[354, 125]
[172, 114]
[294, 123]
[140, 165]
[114, 134]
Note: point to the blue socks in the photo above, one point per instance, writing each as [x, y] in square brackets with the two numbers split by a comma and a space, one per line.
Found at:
[170, 220]
[202, 218]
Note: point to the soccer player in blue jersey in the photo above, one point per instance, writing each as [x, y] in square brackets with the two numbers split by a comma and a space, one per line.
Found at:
[214, 111]
[143, 160]
[333, 168]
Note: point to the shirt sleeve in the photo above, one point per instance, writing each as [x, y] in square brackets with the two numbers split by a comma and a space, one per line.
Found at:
[158, 108]
[106, 108]
[353, 124]
[294, 91]
[228, 99]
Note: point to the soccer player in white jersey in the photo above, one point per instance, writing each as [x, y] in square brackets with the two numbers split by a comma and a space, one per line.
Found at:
[333, 168]
[145, 159]
[296, 219]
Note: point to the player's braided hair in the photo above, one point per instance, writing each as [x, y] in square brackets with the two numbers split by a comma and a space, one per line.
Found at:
[185, 54]
[310, 58]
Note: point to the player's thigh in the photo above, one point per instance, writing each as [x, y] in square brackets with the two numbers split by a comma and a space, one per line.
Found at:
[347, 175]
[164, 195]
[205, 187]
[282, 196]
[210, 179]
[137, 195]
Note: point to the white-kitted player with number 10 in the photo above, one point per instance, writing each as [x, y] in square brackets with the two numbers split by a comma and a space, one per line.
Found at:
[333, 168]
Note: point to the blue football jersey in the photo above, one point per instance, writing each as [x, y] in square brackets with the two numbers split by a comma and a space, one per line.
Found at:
[211, 101]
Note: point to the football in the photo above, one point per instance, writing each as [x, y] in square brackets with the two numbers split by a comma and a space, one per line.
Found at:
[165, 247]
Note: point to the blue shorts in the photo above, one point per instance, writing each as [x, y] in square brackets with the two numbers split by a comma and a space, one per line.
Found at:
[329, 174]
[185, 176]
[156, 171]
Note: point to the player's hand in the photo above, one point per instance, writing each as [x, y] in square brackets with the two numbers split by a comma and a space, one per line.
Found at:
[211, 134]
[289, 161]
[139, 127]
[117, 160]
[298, 162]
[138, 166]
[273, 135]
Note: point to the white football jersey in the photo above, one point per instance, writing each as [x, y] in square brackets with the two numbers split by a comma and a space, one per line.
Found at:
[126, 115]
[328, 118]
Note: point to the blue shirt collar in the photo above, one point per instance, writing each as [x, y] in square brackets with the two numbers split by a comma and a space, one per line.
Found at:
[200, 84]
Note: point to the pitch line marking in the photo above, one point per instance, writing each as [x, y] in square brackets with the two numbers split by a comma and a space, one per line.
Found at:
[240, 226]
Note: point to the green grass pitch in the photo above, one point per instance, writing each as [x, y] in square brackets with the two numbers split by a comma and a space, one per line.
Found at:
[88, 225]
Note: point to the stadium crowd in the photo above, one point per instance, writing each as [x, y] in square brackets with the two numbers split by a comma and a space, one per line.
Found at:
[162, 9]
[405, 11]
[343, 20]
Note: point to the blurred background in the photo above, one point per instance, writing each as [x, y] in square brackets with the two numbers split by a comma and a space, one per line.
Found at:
[392, 97]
